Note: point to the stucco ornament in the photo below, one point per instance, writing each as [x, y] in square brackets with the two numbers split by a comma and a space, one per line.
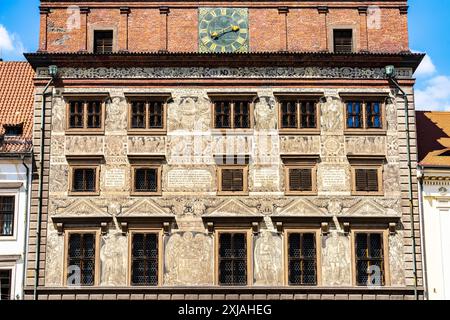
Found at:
[332, 114]
[391, 180]
[396, 259]
[58, 115]
[366, 145]
[265, 113]
[116, 115]
[300, 145]
[113, 260]
[139, 145]
[55, 253]
[84, 145]
[336, 266]
[189, 112]
[268, 259]
[189, 259]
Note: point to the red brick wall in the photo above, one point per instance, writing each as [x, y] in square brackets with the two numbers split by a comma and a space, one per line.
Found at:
[306, 30]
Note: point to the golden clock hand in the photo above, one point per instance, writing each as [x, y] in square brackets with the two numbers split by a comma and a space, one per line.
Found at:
[217, 34]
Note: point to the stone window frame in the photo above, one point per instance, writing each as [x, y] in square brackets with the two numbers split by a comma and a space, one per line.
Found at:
[364, 98]
[85, 129]
[385, 236]
[355, 35]
[146, 230]
[88, 230]
[147, 97]
[91, 36]
[318, 240]
[298, 97]
[250, 97]
[369, 164]
[300, 162]
[84, 165]
[15, 194]
[244, 167]
[134, 167]
[249, 241]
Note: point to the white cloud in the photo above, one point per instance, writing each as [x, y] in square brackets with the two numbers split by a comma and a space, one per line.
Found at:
[10, 42]
[435, 96]
[426, 68]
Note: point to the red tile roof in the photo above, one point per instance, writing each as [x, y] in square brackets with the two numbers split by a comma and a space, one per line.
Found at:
[16, 105]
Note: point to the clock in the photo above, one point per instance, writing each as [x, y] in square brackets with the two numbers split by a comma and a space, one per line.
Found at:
[223, 30]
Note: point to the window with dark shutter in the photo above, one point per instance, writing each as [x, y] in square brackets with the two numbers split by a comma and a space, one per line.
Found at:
[343, 40]
[85, 114]
[103, 41]
[232, 259]
[232, 180]
[5, 284]
[146, 180]
[300, 180]
[366, 180]
[144, 259]
[369, 255]
[302, 259]
[7, 204]
[84, 180]
[81, 257]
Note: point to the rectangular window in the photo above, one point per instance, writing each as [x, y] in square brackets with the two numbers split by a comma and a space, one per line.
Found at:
[298, 114]
[81, 256]
[13, 130]
[144, 259]
[300, 175]
[84, 179]
[85, 115]
[362, 114]
[232, 179]
[369, 254]
[103, 41]
[232, 114]
[5, 284]
[147, 115]
[366, 180]
[232, 259]
[302, 259]
[343, 40]
[146, 179]
[7, 204]
[300, 179]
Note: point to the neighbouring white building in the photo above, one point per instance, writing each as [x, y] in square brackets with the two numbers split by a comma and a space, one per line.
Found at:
[433, 134]
[16, 113]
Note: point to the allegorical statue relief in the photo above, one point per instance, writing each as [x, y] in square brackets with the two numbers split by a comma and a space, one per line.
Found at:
[265, 113]
[332, 114]
[189, 259]
[113, 259]
[336, 260]
[268, 260]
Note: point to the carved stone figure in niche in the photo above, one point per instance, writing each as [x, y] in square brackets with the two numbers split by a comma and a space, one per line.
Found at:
[113, 259]
[332, 114]
[268, 260]
[54, 263]
[336, 260]
[265, 113]
[58, 115]
[116, 115]
[189, 259]
[189, 113]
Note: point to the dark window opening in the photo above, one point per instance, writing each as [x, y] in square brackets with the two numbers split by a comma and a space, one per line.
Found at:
[156, 114]
[300, 180]
[85, 114]
[369, 259]
[233, 180]
[103, 41]
[298, 114]
[232, 259]
[81, 259]
[84, 180]
[302, 259]
[343, 40]
[241, 114]
[144, 264]
[6, 215]
[308, 114]
[5, 284]
[146, 180]
[13, 130]
[366, 180]
[223, 114]
[373, 114]
[289, 114]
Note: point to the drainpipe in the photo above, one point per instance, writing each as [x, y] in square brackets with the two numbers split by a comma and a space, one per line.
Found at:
[391, 76]
[420, 174]
[53, 72]
[27, 207]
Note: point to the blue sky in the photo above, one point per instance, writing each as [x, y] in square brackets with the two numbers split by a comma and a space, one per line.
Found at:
[429, 30]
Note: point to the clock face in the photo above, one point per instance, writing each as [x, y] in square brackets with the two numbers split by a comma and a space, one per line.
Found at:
[223, 30]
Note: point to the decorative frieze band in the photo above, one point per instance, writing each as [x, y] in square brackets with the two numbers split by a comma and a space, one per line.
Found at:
[225, 73]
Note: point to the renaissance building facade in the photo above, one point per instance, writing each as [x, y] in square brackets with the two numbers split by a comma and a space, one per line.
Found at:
[233, 149]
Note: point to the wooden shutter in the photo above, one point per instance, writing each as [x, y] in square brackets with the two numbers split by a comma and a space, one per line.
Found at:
[300, 179]
[232, 180]
[366, 180]
[372, 180]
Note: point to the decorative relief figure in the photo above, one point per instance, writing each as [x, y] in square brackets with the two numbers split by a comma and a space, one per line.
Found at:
[189, 112]
[396, 259]
[366, 145]
[331, 114]
[138, 145]
[268, 259]
[336, 257]
[55, 257]
[84, 145]
[116, 114]
[392, 146]
[300, 145]
[57, 146]
[59, 176]
[391, 180]
[58, 115]
[115, 146]
[391, 115]
[113, 259]
[332, 147]
[265, 113]
[189, 259]
[189, 149]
